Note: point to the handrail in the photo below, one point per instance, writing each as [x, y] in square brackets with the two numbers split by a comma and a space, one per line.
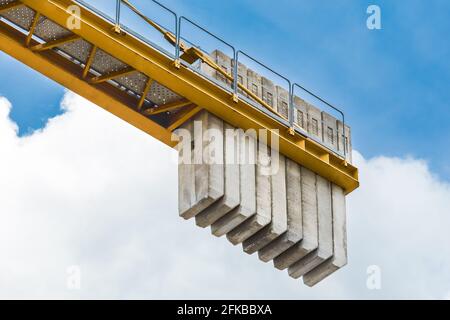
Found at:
[326, 103]
[180, 20]
[236, 65]
[169, 36]
[175, 39]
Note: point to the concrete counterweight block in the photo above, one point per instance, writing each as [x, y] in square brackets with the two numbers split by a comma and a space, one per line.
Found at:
[310, 239]
[231, 198]
[294, 214]
[263, 214]
[242, 76]
[208, 164]
[283, 102]
[268, 93]
[186, 170]
[278, 225]
[247, 187]
[339, 259]
[325, 220]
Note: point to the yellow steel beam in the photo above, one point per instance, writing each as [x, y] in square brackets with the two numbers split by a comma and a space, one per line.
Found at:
[169, 36]
[55, 43]
[183, 116]
[145, 18]
[167, 107]
[192, 54]
[112, 75]
[11, 5]
[89, 61]
[144, 94]
[32, 27]
[200, 91]
[50, 64]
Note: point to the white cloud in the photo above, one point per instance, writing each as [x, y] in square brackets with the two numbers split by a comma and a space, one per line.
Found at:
[90, 190]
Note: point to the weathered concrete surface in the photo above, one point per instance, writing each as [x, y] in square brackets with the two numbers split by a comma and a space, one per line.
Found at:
[345, 144]
[186, 172]
[225, 63]
[208, 163]
[339, 258]
[242, 76]
[278, 225]
[231, 198]
[254, 82]
[269, 94]
[247, 188]
[263, 214]
[283, 102]
[330, 131]
[310, 240]
[300, 114]
[294, 215]
[314, 122]
[325, 221]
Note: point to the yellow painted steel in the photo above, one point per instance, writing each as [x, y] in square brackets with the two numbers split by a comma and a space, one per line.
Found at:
[11, 42]
[184, 116]
[89, 61]
[192, 54]
[33, 26]
[55, 43]
[112, 75]
[147, 88]
[168, 107]
[183, 81]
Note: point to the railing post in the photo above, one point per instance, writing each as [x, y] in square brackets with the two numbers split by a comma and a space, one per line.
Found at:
[117, 28]
[291, 110]
[294, 85]
[235, 77]
[177, 62]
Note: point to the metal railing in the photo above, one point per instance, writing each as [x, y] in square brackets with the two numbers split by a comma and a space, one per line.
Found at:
[177, 39]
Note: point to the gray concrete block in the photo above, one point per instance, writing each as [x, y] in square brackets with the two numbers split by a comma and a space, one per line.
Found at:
[254, 82]
[345, 143]
[314, 122]
[269, 94]
[339, 258]
[186, 172]
[348, 135]
[247, 188]
[325, 220]
[231, 198]
[330, 132]
[225, 63]
[263, 214]
[278, 224]
[282, 102]
[310, 239]
[242, 76]
[300, 114]
[294, 232]
[208, 168]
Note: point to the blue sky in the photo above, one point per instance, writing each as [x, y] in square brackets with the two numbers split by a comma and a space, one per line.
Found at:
[392, 83]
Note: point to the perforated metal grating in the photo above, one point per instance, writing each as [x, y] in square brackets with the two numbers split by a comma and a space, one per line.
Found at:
[160, 95]
[105, 63]
[47, 30]
[135, 81]
[3, 2]
[21, 16]
[79, 50]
